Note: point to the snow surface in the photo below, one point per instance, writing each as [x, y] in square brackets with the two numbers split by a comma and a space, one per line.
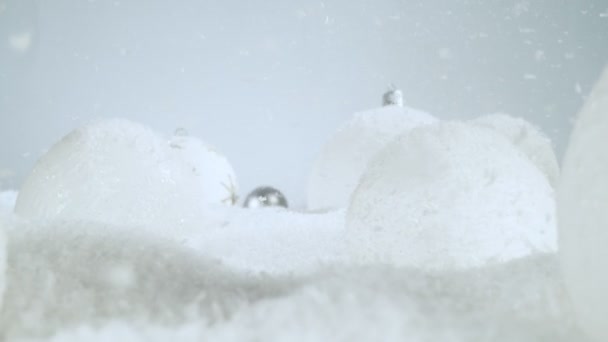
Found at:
[450, 195]
[122, 173]
[528, 138]
[74, 281]
[582, 203]
[342, 161]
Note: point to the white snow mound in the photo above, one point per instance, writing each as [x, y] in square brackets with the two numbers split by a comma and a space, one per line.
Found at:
[583, 213]
[272, 241]
[522, 301]
[341, 162]
[116, 172]
[450, 195]
[528, 138]
[62, 274]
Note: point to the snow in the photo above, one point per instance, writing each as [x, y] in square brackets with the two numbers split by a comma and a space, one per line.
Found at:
[518, 301]
[450, 195]
[120, 234]
[65, 273]
[582, 203]
[340, 164]
[123, 173]
[528, 138]
[272, 241]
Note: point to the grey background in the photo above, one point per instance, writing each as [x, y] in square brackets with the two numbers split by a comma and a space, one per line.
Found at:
[267, 82]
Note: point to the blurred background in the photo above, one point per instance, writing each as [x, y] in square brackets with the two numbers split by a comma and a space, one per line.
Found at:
[267, 82]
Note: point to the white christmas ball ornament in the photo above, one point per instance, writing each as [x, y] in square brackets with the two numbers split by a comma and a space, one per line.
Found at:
[116, 172]
[583, 214]
[450, 196]
[216, 177]
[528, 138]
[343, 159]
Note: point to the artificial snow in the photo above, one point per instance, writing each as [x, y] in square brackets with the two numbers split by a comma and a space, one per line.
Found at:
[122, 173]
[583, 218]
[271, 240]
[340, 164]
[66, 273]
[520, 301]
[528, 138]
[450, 196]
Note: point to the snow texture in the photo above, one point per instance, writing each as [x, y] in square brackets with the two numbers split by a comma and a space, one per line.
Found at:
[271, 240]
[61, 274]
[583, 214]
[122, 173]
[338, 168]
[528, 138]
[520, 301]
[450, 195]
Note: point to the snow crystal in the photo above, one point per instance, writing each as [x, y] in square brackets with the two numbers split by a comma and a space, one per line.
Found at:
[120, 173]
[343, 159]
[450, 195]
[583, 214]
[529, 139]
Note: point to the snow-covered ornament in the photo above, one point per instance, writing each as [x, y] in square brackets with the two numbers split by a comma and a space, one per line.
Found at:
[450, 196]
[583, 214]
[341, 162]
[265, 196]
[530, 140]
[119, 172]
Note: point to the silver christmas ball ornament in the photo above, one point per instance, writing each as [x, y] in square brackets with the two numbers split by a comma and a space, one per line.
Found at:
[265, 196]
[393, 97]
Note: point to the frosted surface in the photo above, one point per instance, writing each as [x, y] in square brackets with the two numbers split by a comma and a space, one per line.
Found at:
[273, 241]
[122, 173]
[450, 195]
[343, 159]
[528, 138]
[583, 214]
